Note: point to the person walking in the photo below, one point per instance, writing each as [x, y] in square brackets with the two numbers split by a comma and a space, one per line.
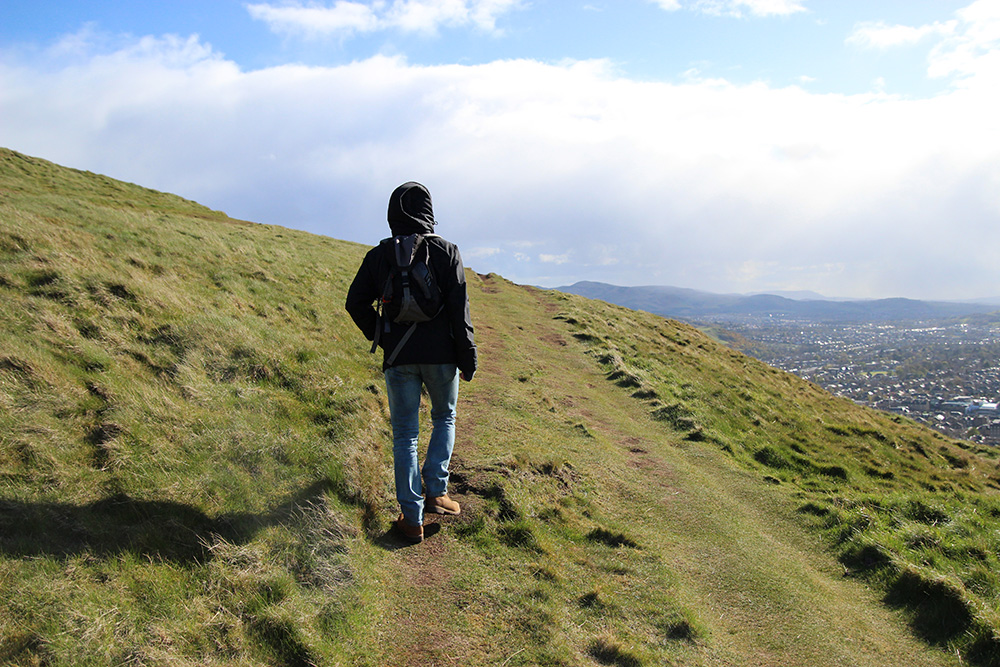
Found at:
[432, 354]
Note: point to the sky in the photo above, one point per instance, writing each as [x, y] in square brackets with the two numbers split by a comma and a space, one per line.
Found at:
[845, 147]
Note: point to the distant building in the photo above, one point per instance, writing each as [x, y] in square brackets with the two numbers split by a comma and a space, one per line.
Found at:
[992, 430]
[957, 404]
[978, 409]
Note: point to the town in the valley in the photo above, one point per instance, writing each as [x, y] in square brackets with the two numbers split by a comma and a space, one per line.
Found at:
[945, 374]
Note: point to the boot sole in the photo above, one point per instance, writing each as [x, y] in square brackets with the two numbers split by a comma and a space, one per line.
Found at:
[441, 510]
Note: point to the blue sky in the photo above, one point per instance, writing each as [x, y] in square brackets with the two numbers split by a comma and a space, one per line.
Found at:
[846, 147]
[800, 42]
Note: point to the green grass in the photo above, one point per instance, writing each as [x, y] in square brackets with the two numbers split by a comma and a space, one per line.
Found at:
[903, 507]
[195, 469]
[171, 390]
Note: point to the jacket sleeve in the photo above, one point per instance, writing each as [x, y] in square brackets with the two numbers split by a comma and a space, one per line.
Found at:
[457, 306]
[362, 294]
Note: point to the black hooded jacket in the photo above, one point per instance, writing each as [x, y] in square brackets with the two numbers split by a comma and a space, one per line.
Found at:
[446, 339]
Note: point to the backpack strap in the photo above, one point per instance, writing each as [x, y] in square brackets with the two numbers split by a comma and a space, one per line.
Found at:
[380, 320]
[401, 343]
[405, 248]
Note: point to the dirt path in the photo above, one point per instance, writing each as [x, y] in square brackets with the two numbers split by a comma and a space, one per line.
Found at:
[762, 581]
[427, 626]
[764, 589]
[764, 586]
[420, 634]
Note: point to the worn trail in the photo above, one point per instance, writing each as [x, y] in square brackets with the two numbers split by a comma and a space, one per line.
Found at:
[759, 584]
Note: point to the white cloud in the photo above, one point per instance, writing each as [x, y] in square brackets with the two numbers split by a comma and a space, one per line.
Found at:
[690, 184]
[963, 48]
[313, 20]
[879, 35]
[480, 253]
[668, 5]
[739, 8]
[344, 17]
[973, 50]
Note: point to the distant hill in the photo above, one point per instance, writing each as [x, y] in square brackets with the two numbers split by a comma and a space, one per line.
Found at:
[195, 469]
[693, 304]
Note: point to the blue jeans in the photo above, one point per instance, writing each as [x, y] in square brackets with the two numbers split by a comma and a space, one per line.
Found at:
[403, 385]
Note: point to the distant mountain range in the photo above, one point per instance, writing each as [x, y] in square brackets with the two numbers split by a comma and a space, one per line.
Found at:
[683, 303]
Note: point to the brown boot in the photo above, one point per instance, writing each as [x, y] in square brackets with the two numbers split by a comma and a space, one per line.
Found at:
[442, 505]
[409, 532]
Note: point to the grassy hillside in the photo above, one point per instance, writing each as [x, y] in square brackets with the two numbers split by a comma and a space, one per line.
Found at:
[194, 470]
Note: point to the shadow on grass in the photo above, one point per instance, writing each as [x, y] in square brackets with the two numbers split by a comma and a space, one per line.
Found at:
[391, 540]
[938, 612]
[120, 524]
[940, 616]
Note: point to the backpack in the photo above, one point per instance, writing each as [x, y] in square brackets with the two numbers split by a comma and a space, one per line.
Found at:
[410, 294]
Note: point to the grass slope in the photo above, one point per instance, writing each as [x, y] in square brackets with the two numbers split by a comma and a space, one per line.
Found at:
[194, 469]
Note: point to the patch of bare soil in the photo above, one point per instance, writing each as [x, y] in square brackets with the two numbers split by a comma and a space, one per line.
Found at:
[422, 630]
[554, 339]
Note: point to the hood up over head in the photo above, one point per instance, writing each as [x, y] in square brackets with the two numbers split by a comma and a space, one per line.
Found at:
[410, 210]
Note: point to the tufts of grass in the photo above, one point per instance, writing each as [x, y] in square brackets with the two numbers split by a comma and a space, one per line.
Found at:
[904, 507]
[187, 464]
[195, 469]
[607, 650]
[610, 538]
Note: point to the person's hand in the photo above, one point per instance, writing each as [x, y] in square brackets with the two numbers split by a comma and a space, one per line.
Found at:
[462, 375]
